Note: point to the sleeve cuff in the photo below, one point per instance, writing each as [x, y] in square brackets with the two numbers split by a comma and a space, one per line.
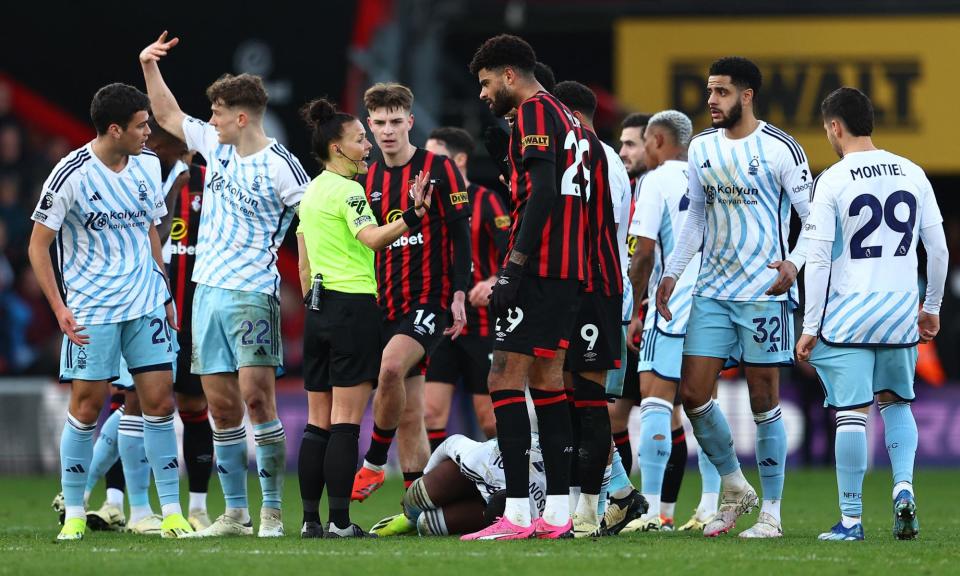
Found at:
[931, 309]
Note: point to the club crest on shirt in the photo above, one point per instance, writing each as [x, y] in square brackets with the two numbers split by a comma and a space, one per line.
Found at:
[394, 215]
[142, 189]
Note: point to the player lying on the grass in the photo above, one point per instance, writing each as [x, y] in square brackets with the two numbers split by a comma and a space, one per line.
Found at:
[463, 490]
[870, 209]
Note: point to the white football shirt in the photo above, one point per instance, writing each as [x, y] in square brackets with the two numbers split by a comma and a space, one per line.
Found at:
[248, 204]
[621, 195]
[748, 185]
[103, 221]
[659, 215]
[872, 206]
[482, 464]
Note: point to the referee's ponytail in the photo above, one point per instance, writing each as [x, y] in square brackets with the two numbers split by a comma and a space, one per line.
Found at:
[326, 124]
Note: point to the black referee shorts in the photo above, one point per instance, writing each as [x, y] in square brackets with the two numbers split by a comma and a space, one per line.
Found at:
[342, 343]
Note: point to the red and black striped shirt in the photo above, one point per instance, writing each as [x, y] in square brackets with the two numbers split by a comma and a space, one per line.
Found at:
[489, 235]
[604, 273]
[184, 229]
[418, 267]
[545, 129]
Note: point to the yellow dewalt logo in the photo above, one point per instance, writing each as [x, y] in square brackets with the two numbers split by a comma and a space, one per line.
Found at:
[535, 140]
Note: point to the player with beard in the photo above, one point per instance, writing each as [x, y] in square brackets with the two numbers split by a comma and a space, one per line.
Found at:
[536, 297]
[739, 214]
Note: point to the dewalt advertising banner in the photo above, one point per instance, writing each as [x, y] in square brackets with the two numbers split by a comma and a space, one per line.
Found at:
[909, 66]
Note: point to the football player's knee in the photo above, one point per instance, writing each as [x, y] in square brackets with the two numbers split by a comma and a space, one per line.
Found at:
[487, 423]
[692, 398]
[391, 373]
[162, 406]
[256, 405]
[86, 410]
[763, 398]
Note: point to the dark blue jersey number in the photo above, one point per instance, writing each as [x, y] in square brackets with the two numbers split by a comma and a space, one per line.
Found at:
[879, 214]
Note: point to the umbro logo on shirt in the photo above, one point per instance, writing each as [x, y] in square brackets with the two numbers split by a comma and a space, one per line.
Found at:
[375, 196]
[706, 164]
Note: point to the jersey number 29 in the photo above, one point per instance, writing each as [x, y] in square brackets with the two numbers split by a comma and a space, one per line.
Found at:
[878, 214]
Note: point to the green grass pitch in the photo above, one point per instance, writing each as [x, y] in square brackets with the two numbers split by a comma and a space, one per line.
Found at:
[28, 527]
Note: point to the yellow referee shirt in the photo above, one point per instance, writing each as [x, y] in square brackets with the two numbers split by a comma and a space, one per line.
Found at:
[333, 211]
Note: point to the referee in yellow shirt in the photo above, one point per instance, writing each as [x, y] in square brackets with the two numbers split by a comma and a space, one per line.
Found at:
[342, 342]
